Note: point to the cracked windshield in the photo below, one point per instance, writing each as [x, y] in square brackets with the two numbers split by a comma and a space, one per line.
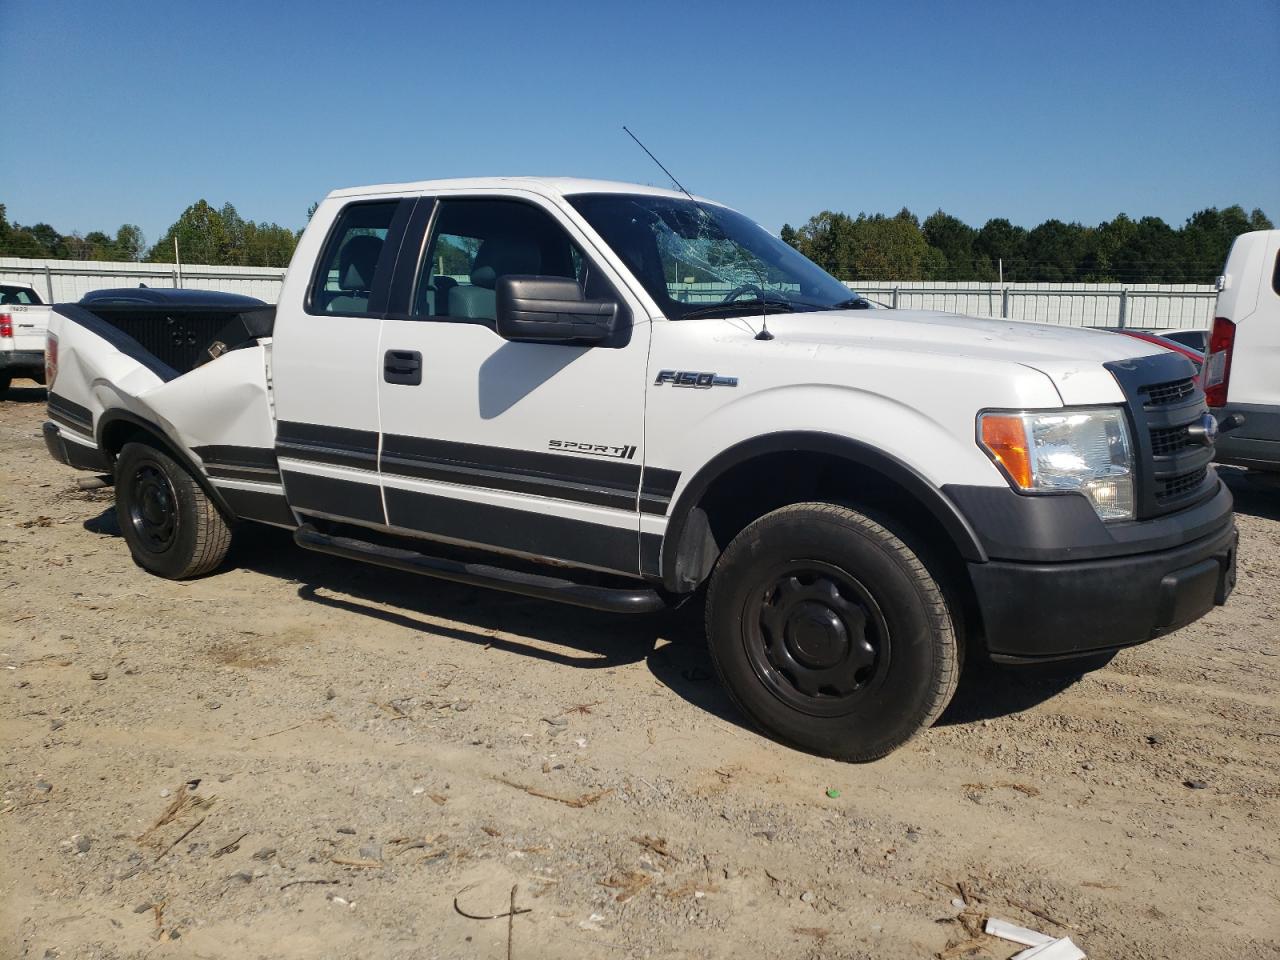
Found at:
[701, 259]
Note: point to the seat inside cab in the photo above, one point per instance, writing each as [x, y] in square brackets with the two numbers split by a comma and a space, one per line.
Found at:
[475, 243]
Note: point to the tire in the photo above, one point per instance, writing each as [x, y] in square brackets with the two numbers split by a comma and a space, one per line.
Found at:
[4, 384]
[830, 634]
[173, 529]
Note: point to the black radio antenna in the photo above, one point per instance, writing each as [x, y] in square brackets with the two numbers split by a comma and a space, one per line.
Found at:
[764, 333]
[679, 185]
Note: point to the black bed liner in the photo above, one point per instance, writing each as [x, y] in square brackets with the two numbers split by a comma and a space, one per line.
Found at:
[172, 332]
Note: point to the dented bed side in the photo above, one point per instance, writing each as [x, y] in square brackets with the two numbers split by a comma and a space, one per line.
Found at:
[217, 417]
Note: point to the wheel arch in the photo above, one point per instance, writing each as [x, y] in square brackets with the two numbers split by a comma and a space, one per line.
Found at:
[687, 556]
[115, 428]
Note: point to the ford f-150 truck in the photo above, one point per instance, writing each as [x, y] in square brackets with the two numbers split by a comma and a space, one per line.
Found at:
[615, 396]
[24, 321]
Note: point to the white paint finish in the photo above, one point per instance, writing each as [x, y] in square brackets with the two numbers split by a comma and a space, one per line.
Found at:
[222, 402]
[1252, 303]
[909, 384]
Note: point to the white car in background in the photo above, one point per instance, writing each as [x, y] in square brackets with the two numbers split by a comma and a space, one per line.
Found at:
[24, 323]
[1242, 368]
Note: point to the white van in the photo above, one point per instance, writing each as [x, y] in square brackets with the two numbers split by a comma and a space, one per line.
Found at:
[1242, 371]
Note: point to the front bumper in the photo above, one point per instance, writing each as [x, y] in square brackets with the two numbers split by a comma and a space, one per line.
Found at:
[1046, 611]
[1060, 583]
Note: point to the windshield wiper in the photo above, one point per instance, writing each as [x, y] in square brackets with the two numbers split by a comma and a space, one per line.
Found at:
[751, 307]
[852, 304]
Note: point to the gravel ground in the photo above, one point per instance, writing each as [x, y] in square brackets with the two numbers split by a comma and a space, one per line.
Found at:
[304, 757]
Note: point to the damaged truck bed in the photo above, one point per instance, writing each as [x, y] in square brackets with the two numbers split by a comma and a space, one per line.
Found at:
[145, 358]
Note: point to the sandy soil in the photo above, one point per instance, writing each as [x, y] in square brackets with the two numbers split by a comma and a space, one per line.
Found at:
[301, 757]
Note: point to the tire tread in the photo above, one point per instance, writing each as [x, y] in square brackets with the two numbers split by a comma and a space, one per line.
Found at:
[948, 674]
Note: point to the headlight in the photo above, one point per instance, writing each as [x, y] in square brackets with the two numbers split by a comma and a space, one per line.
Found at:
[1085, 451]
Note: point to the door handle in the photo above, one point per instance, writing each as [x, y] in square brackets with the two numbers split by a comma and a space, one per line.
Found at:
[402, 366]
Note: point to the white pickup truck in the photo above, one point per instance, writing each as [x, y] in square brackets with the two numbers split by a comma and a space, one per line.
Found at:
[645, 393]
[24, 321]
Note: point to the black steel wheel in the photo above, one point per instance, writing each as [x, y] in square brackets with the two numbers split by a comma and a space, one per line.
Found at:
[153, 508]
[815, 636]
[172, 527]
[830, 633]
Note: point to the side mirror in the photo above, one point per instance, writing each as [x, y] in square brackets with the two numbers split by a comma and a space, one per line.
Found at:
[551, 310]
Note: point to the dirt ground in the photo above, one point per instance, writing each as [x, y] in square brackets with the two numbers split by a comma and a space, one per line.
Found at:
[304, 757]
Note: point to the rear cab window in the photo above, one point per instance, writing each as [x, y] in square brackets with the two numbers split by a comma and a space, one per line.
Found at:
[355, 266]
[23, 296]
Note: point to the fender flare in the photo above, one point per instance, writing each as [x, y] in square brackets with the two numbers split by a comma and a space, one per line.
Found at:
[940, 507]
[174, 449]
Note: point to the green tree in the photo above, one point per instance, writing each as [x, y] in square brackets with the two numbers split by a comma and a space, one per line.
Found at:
[953, 240]
[999, 240]
[129, 242]
[201, 234]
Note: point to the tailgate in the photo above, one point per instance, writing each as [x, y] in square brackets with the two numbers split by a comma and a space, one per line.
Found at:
[30, 321]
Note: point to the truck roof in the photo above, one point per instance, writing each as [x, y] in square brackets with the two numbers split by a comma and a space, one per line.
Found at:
[562, 186]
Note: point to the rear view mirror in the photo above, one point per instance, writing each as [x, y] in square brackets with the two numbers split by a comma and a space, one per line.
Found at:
[551, 310]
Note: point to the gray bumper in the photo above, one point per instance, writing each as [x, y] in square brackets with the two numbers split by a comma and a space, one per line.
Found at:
[22, 360]
[1256, 443]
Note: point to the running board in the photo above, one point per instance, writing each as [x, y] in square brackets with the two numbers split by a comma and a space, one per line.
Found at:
[611, 599]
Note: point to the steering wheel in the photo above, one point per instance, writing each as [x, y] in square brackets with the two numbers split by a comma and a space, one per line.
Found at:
[736, 292]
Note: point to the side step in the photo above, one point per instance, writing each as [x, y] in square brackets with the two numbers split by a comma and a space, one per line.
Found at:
[611, 599]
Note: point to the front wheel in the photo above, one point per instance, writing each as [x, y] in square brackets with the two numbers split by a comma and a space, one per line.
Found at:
[830, 633]
[172, 527]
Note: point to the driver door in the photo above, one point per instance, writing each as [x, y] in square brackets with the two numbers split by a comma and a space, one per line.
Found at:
[525, 448]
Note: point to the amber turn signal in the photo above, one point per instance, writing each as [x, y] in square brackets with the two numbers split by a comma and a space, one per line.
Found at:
[1005, 438]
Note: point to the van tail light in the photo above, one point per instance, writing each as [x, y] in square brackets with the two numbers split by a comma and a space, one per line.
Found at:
[1217, 367]
[50, 359]
[6, 325]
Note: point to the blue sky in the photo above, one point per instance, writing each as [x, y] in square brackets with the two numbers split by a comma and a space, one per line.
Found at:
[130, 111]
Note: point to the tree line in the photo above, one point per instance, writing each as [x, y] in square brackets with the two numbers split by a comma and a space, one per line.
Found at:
[900, 247]
[205, 235]
[865, 247]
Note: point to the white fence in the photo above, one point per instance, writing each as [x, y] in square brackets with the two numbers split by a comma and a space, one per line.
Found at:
[1144, 306]
[62, 281]
[1154, 306]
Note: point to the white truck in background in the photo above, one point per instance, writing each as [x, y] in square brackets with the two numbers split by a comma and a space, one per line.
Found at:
[24, 322]
[1242, 368]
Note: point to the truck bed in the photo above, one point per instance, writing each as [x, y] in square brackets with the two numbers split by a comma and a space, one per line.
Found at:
[173, 331]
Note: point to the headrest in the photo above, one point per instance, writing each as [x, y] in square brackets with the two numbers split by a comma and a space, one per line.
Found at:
[357, 261]
[501, 256]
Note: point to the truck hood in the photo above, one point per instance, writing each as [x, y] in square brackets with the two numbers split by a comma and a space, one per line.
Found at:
[1071, 357]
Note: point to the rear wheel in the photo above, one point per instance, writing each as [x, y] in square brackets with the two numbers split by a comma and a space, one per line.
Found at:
[830, 633]
[4, 384]
[173, 529]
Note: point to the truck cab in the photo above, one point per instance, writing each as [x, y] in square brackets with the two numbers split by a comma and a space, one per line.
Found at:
[629, 398]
